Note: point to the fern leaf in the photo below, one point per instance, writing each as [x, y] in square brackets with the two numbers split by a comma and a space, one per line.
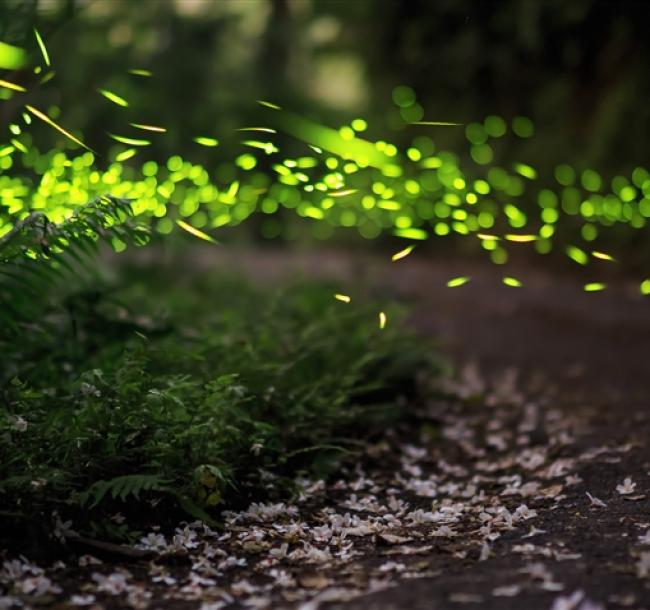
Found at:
[124, 487]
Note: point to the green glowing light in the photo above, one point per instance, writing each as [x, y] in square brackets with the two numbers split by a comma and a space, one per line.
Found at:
[565, 175]
[113, 97]
[523, 127]
[206, 141]
[413, 154]
[194, 231]
[482, 154]
[46, 119]
[403, 96]
[13, 86]
[269, 105]
[458, 281]
[416, 192]
[41, 46]
[499, 256]
[11, 57]
[577, 255]
[591, 181]
[495, 126]
[246, 162]
[521, 239]
[145, 127]
[412, 233]
[476, 133]
[412, 114]
[589, 232]
[437, 123]
[603, 256]
[525, 170]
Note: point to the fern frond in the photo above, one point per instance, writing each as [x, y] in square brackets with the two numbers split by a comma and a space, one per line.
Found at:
[123, 487]
[37, 255]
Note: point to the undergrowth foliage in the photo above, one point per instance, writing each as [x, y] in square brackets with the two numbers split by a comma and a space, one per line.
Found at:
[37, 254]
[189, 401]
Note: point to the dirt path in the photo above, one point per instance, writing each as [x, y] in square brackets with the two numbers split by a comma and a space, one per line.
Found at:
[516, 497]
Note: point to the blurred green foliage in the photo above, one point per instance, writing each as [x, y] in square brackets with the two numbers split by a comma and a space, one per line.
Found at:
[579, 69]
[163, 93]
[132, 390]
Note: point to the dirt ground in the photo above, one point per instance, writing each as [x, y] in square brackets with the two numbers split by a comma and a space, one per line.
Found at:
[530, 489]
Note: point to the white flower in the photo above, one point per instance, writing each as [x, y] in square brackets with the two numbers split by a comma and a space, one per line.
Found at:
[38, 586]
[201, 581]
[113, 584]
[282, 578]
[396, 505]
[523, 512]
[242, 587]
[138, 598]
[152, 542]
[534, 532]
[61, 528]
[392, 566]
[444, 531]
[595, 501]
[568, 603]
[322, 533]
[627, 487]
[420, 517]
[82, 600]
[204, 566]
[310, 554]
[362, 529]
[7, 601]
[643, 565]
[232, 562]
[486, 551]
[280, 552]
[415, 453]
[425, 488]
[506, 591]
[164, 578]
[267, 512]
[185, 537]
[213, 605]
[20, 424]
[503, 516]
[575, 601]
[13, 569]
[315, 555]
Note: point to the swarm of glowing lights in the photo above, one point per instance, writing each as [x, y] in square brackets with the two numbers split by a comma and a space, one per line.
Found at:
[341, 180]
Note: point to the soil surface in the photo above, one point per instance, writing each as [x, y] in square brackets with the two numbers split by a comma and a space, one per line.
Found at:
[528, 486]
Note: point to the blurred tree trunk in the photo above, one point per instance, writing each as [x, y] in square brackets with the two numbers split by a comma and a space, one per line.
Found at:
[274, 53]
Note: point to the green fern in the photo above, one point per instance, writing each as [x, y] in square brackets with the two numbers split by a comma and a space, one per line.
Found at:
[123, 487]
[36, 256]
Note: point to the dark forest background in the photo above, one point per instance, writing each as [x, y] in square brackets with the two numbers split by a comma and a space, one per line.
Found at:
[578, 68]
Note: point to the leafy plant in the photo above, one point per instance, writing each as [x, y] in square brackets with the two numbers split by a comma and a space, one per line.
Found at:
[195, 394]
[36, 254]
[122, 488]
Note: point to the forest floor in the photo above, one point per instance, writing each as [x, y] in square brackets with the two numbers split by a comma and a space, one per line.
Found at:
[530, 489]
